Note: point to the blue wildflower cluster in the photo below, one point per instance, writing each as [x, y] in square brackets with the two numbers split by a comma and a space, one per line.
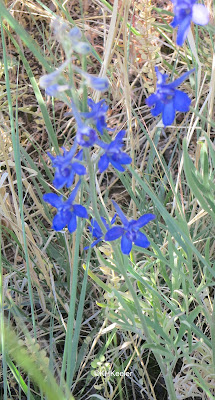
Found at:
[92, 124]
[167, 99]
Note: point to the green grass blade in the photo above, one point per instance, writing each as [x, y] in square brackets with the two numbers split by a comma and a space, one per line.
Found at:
[15, 141]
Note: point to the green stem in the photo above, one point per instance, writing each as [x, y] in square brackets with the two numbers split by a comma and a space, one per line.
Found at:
[93, 193]
[67, 359]
[169, 382]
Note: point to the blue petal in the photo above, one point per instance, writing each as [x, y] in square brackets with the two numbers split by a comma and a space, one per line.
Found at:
[105, 224]
[120, 213]
[53, 199]
[183, 29]
[79, 168]
[95, 228]
[145, 219]
[117, 165]
[103, 163]
[151, 100]
[80, 211]
[85, 136]
[72, 225]
[93, 244]
[92, 103]
[161, 78]
[113, 219]
[68, 155]
[141, 240]
[114, 233]
[158, 108]
[114, 146]
[123, 158]
[61, 220]
[74, 193]
[96, 241]
[200, 14]
[101, 125]
[79, 156]
[59, 181]
[175, 22]
[70, 179]
[120, 136]
[126, 244]
[181, 101]
[101, 144]
[182, 78]
[168, 115]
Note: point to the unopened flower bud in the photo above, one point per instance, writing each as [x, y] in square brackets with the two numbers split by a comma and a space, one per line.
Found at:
[97, 83]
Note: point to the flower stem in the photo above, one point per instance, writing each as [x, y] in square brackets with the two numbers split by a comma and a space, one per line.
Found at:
[93, 194]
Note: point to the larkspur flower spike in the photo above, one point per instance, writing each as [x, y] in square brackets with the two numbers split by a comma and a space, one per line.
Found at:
[185, 12]
[167, 99]
[67, 212]
[130, 231]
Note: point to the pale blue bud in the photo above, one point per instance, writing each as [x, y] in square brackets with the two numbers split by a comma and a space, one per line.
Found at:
[97, 83]
[75, 33]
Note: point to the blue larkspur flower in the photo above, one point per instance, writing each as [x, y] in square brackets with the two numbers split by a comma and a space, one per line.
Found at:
[67, 212]
[130, 231]
[86, 136]
[167, 99]
[97, 114]
[66, 166]
[113, 154]
[185, 12]
[96, 230]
